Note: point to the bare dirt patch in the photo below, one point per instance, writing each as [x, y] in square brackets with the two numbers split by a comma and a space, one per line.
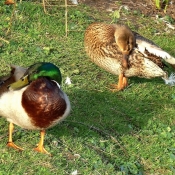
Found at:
[146, 7]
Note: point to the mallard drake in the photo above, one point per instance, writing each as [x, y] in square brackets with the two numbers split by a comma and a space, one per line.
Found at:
[145, 59]
[33, 100]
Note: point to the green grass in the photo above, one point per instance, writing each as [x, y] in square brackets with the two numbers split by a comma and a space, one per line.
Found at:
[128, 132]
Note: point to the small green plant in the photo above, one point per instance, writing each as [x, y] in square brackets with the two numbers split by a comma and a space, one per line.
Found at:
[116, 15]
[162, 4]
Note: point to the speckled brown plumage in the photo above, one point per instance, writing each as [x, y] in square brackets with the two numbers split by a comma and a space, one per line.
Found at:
[157, 60]
[115, 35]
[102, 49]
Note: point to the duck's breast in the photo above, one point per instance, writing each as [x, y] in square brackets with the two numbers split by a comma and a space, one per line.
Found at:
[45, 103]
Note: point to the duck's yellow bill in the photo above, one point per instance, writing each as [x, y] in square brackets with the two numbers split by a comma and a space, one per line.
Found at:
[19, 84]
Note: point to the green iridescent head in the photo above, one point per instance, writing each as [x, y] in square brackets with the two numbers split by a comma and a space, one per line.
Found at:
[43, 69]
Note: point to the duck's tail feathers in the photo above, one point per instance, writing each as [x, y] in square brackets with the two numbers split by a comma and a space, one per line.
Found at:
[171, 80]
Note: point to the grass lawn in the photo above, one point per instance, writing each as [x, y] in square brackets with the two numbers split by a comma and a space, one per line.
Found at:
[121, 133]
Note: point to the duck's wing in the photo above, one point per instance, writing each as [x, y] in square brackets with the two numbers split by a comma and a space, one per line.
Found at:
[147, 67]
[148, 47]
[15, 74]
[17, 71]
[4, 78]
[22, 75]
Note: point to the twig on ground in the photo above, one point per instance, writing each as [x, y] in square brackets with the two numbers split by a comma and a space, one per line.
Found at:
[4, 40]
[62, 143]
[11, 19]
[44, 6]
[102, 133]
[101, 151]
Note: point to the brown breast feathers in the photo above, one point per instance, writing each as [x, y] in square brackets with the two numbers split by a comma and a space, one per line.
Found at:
[43, 101]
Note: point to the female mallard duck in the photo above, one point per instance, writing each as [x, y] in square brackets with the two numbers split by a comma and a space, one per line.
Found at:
[145, 59]
[35, 101]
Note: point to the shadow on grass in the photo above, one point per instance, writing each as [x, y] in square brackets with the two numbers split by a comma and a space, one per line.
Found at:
[97, 124]
[103, 115]
[120, 112]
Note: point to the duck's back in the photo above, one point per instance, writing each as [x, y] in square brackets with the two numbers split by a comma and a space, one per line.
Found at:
[99, 33]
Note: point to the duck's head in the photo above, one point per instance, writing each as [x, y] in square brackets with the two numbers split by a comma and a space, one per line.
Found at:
[35, 71]
[126, 42]
[125, 39]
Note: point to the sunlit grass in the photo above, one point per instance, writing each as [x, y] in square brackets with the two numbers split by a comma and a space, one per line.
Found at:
[129, 132]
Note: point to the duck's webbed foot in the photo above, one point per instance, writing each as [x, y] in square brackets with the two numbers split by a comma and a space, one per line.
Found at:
[11, 144]
[40, 148]
[122, 83]
[10, 141]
